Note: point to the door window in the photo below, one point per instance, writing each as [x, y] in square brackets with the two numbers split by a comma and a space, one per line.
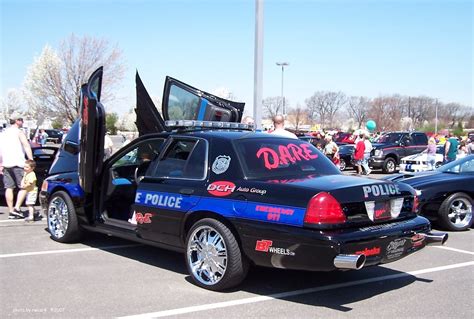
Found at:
[183, 159]
[420, 139]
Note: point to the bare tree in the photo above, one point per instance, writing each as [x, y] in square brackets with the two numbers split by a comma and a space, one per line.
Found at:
[421, 109]
[358, 108]
[297, 116]
[324, 105]
[272, 106]
[387, 112]
[54, 80]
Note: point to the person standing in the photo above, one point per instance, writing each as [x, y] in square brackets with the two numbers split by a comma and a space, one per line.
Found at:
[43, 137]
[13, 148]
[359, 153]
[431, 154]
[279, 127]
[330, 149]
[108, 146]
[367, 150]
[470, 147]
[450, 148]
[28, 191]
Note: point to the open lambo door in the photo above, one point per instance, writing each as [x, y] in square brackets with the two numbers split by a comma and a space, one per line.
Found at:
[92, 132]
[184, 102]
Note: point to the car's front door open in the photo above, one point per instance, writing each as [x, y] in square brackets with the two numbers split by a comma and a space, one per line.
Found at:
[92, 132]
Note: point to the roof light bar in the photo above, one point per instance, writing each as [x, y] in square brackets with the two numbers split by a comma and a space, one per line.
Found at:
[208, 124]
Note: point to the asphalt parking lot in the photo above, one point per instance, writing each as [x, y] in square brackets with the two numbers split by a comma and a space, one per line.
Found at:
[109, 277]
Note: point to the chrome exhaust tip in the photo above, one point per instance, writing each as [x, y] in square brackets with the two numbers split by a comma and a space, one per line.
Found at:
[342, 261]
[436, 239]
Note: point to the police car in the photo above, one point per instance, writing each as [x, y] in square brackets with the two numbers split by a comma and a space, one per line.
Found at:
[199, 182]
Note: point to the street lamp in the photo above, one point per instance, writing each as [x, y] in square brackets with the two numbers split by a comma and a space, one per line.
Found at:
[282, 64]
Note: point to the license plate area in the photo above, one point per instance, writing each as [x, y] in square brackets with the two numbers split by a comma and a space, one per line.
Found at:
[378, 211]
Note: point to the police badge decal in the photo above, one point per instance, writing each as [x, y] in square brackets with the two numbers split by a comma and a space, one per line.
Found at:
[221, 164]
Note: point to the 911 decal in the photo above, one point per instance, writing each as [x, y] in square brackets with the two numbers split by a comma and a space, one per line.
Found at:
[286, 153]
[265, 246]
[273, 212]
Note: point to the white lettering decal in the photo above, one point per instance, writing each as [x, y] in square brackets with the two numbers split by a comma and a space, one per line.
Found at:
[148, 198]
[367, 190]
[137, 197]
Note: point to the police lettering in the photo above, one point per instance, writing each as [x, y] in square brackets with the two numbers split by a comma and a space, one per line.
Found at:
[381, 189]
[163, 200]
[286, 154]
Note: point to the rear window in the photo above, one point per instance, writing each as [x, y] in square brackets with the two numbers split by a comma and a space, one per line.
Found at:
[275, 157]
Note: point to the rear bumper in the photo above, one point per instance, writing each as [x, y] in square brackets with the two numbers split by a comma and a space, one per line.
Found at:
[306, 249]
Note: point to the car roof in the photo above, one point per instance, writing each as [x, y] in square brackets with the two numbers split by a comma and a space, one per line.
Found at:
[227, 134]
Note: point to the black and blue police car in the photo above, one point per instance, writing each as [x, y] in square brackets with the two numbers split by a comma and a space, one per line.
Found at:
[200, 182]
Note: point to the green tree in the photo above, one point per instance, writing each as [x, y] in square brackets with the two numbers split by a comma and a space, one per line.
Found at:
[110, 122]
[57, 124]
[459, 131]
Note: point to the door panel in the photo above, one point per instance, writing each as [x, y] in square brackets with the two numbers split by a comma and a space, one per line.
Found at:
[92, 132]
[184, 102]
[149, 119]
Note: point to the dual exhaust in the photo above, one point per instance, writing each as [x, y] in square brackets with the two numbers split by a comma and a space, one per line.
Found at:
[344, 261]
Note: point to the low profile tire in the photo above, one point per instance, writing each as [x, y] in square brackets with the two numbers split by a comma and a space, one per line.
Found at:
[389, 165]
[342, 165]
[213, 256]
[455, 213]
[62, 220]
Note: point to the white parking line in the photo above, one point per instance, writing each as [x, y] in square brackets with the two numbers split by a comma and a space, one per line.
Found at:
[455, 249]
[60, 251]
[180, 311]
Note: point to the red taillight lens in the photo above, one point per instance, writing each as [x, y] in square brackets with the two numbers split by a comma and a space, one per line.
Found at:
[323, 208]
[416, 203]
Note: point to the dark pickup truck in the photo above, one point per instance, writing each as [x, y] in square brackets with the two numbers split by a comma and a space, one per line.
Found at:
[393, 146]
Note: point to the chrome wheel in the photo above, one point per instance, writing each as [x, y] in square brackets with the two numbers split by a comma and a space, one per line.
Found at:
[207, 255]
[460, 212]
[58, 217]
[342, 165]
[390, 166]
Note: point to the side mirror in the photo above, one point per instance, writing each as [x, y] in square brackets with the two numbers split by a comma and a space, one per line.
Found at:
[71, 147]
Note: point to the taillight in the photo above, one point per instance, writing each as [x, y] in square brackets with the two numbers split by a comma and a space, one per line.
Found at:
[323, 208]
[44, 186]
[416, 203]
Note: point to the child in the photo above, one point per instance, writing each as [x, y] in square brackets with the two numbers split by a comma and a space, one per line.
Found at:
[29, 190]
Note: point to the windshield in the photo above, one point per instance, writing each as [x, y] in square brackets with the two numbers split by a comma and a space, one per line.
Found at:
[389, 138]
[464, 165]
[278, 157]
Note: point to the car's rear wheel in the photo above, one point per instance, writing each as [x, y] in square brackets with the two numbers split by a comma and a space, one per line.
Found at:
[456, 212]
[389, 165]
[213, 256]
[62, 220]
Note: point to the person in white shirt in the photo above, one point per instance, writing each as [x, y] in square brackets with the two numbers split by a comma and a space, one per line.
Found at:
[13, 147]
[279, 125]
[108, 146]
[368, 149]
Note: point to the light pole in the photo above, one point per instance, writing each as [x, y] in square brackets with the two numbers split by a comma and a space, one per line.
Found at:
[282, 64]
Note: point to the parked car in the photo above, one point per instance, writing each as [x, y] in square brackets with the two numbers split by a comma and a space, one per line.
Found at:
[344, 138]
[54, 136]
[226, 196]
[446, 194]
[44, 158]
[393, 146]
[419, 162]
[346, 152]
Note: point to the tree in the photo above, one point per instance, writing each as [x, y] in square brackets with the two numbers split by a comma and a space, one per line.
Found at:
[324, 105]
[297, 116]
[386, 111]
[127, 122]
[54, 80]
[110, 123]
[57, 124]
[358, 108]
[459, 131]
[13, 103]
[272, 106]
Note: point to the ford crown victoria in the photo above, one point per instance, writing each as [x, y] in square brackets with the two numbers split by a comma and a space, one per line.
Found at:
[199, 182]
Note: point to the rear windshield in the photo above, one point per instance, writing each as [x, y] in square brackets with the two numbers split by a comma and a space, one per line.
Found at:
[275, 157]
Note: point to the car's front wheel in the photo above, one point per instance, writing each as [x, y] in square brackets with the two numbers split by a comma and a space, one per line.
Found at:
[342, 165]
[213, 256]
[389, 165]
[62, 220]
[455, 213]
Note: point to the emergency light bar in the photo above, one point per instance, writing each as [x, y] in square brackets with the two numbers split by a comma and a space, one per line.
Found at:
[208, 124]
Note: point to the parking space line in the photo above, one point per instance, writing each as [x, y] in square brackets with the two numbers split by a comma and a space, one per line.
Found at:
[180, 311]
[61, 251]
[455, 249]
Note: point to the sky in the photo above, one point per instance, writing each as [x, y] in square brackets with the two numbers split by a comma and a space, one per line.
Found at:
[363, 48]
